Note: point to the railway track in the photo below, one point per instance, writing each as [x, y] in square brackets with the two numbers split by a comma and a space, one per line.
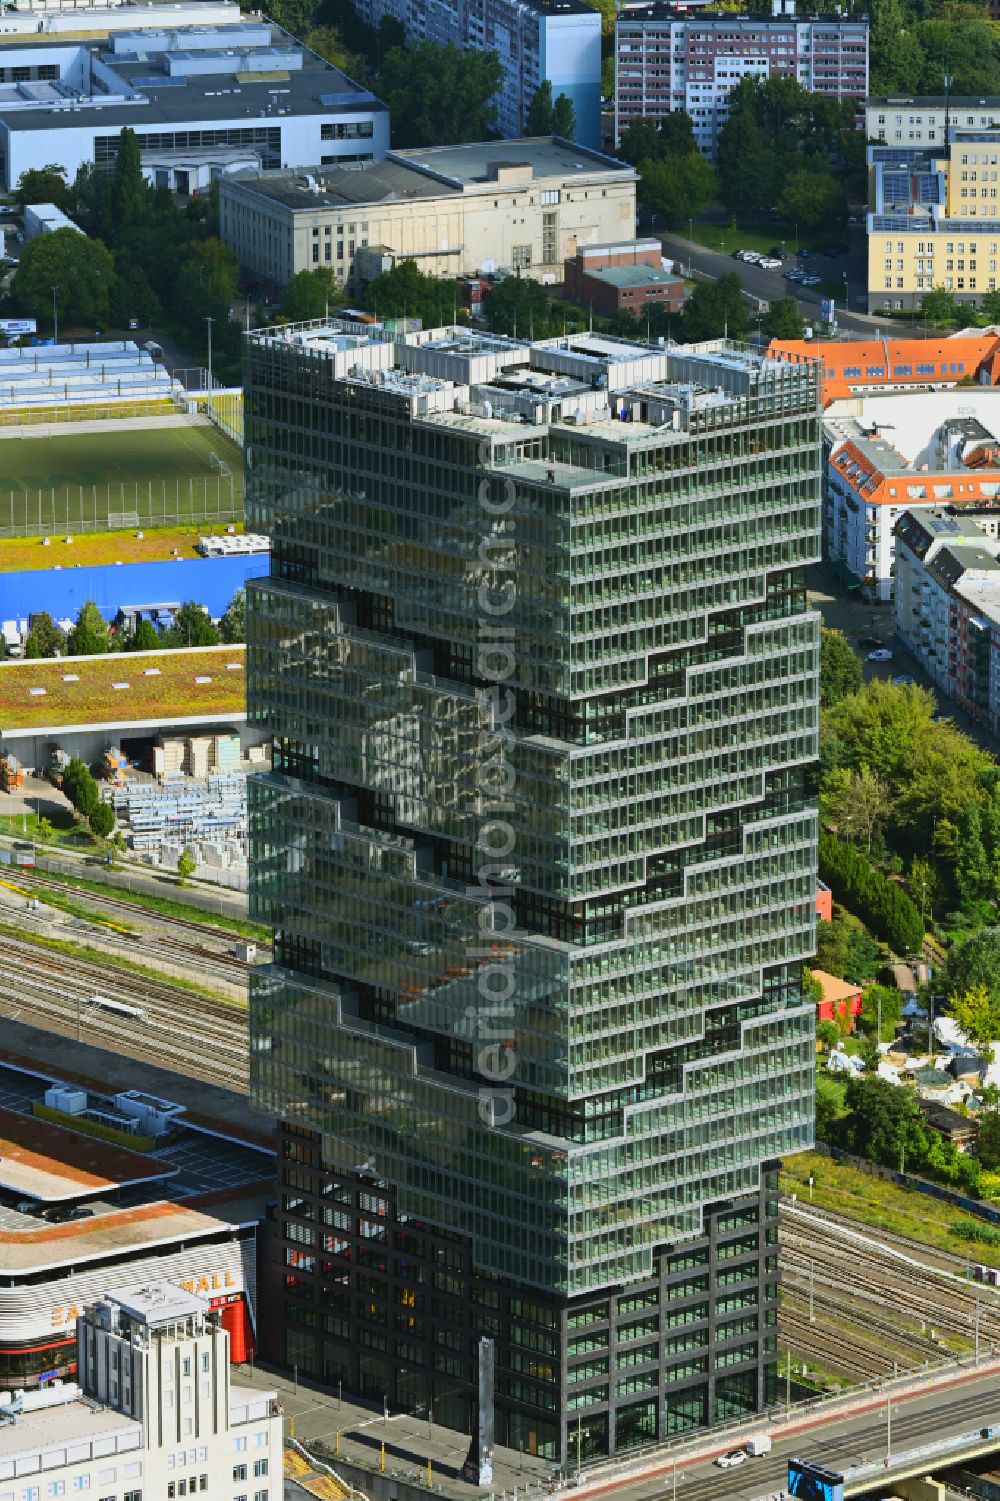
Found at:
[882, 1300]
[186, 1033]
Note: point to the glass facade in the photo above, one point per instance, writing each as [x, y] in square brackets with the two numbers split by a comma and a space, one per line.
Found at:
[540, 865]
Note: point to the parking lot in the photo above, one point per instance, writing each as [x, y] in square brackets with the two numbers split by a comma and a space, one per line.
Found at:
[796, 271]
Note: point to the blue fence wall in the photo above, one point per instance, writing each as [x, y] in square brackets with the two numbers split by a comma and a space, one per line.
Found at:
[210, 581]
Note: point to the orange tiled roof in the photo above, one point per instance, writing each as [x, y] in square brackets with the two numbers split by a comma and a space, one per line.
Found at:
[914, 486]
[834, 989]
[866, 364]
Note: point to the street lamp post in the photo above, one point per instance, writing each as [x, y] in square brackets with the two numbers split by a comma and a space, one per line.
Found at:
[209, 321]
[55, 318]
[847, 296]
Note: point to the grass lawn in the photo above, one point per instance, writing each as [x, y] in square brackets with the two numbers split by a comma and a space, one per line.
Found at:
[747, 237]
[63, 829]
[170, 692]
[113, 458]
[92, 548]
[848, 1191]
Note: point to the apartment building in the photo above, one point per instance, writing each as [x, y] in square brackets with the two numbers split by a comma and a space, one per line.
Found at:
[535, 40]
[862, 366]
[670, 58]
[934, 220]
[928, 119]
[902, 453]
[535, 1075]
[153, 1413]
[947, 605]
[519, 205]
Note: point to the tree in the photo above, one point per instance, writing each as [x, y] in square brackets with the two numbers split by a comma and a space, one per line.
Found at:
[81, 270]
[884, 1122]
[862, 888]
[45, 185]
[641, 142]
[232, 626]
[310, 294]
[133, 298]
[884, 1001]
[438, 94]
[784, 321]
[186, 867]
[679, 187]
[564, 118]
[828, 1033]
[80, 787]
[102, 820]
[813, 198]
[205, 283]
[129, 190]
[988, 1141]
[518, 305]
[973, 873]
[541, 111]
[938, 307]
[975, 964]
[192, 627]
[676, 132]
[145, 637]
[716, 308]
[328, 43]
[405, 291]
[45, 638]
[839, 668]
[90, 634]
[855, 803]
[977, 1012]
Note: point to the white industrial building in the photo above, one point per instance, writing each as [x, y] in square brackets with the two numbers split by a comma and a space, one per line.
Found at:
[204, 96]
[153, 1411]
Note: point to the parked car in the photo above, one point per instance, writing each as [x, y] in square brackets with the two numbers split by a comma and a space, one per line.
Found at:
[769, 263]
[880, 654]
[778, 253]
[870, 643]
[63, 1214]
[751, 257]
[902, 680]
[795, 275]
[734, 1457]
[811, 281]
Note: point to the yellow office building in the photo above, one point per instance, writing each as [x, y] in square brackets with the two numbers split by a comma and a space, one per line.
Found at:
[934, 220]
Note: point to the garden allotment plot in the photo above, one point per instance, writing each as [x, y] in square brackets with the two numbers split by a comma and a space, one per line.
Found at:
[110, 481]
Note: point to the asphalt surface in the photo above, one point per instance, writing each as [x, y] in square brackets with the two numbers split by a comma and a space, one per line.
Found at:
[770, 285]
[847, 612]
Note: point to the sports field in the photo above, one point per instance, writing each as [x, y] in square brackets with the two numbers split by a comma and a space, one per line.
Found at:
[163, 476]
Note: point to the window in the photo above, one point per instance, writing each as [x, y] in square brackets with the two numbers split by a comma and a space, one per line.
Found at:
[239, 1472]
[259, 1468]
[239, 1445]
[57, 1487]
[81, 1483]
[206, 1361]
[260, 1440]
[260, 1496]
[132, 1496]
[186, 1366]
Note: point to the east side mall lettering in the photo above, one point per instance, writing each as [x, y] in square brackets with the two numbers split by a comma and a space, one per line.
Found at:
[65, 1316]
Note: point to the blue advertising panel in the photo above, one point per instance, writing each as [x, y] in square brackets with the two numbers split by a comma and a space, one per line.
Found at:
[813, 1483]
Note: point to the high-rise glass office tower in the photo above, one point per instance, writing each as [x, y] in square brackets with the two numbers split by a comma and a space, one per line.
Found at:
[540, 862]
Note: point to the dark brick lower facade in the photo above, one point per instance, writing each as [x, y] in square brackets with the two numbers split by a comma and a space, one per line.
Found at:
[392, 1308]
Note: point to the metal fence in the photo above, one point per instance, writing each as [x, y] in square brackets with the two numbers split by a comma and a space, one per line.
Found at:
[209, 498]
[86, 411]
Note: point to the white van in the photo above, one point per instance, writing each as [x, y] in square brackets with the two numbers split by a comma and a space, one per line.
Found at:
[758, 1444]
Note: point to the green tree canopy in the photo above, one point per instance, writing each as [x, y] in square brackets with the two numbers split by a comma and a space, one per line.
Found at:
[518, 305]
[102, 820]
[145, 637]
[81, 270]
[233, 625]
[438, 94]
[310, 294]
[405, 291]
[679, 187]
[541, 111]
[130, 193]
[977, 1012]
[133, 297]
[716, 308]
[812, 198]
[80, 787]
[45, 638]
[884, 1122]
[677, 134]
[641, 142]
[89, 635]
[192, 627]
[784, 321]
[839, 667]
[45, 185]
[564, 118]
[939, 307]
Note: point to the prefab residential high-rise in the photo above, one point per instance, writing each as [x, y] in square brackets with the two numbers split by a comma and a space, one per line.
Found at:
[540, 861]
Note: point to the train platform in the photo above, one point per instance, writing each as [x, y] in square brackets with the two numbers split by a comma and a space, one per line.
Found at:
[206, 1105]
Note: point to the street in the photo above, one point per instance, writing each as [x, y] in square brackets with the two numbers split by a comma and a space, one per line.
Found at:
[771, 285]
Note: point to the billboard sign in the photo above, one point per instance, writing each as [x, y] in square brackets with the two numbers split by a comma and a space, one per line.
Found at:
[814, 1483]
[828, 309]
[12, 326]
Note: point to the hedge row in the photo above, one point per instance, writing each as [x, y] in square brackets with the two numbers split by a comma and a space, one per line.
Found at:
[882, 905]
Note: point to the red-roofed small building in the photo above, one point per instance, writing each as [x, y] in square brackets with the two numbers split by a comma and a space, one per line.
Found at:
[840, 1002]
